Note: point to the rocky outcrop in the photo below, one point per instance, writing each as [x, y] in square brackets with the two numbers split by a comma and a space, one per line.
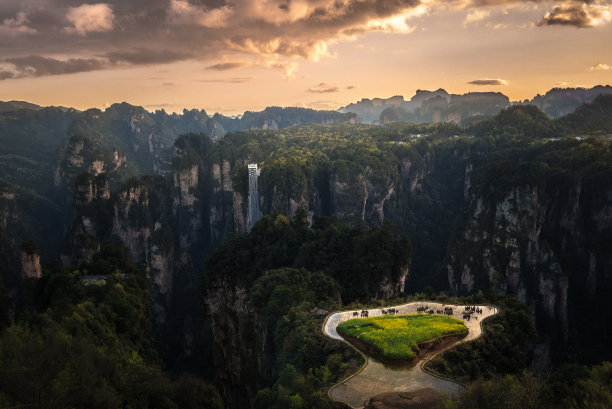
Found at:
[389, 288]
[131, 221]
[30, 262]
[379, 190]
[79, 155]
[240, 220]
[228, 211]
[26, 218]
[8, 211]
[186, 181]
[89, 188]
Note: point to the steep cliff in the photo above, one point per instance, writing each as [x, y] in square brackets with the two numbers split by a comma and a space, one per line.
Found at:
[27, 221]
[26, 218]
[542, 237]
[424, 204]
[91, 221]
[228, 198]
[30, 260]
[78, 154]
[238, 355]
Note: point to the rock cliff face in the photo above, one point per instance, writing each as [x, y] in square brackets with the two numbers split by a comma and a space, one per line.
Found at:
[538, 243]
[389, 288]
[228, 212]
[30, 264]
[137, 216]
[237, 357]
[169, 223]
[351, 194]
[131, 220]
[78, 155]
[8, 212]
[26, 222]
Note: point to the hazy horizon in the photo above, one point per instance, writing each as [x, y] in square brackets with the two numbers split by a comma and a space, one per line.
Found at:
[179, 110]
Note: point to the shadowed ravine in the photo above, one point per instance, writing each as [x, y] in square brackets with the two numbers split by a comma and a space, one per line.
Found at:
[375, 377]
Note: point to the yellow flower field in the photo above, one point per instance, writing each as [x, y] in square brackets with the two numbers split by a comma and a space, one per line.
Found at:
[396, 336]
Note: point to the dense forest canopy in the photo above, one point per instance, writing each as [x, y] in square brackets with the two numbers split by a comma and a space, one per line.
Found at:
[357, 258]
[84, 339]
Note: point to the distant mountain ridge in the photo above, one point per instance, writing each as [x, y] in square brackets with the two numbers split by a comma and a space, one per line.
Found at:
[424, 107]
[440, 106]
[7, 106]
[561, 101]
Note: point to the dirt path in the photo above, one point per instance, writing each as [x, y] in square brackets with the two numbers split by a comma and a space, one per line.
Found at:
[375, 377]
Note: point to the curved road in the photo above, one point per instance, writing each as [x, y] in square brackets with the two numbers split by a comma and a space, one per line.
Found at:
[375, 377]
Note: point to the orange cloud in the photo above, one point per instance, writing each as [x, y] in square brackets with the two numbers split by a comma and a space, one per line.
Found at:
[89, 18]
[601, 67]
[578, 14]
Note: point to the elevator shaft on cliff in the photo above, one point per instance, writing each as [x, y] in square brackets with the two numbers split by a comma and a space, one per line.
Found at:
[253, 214]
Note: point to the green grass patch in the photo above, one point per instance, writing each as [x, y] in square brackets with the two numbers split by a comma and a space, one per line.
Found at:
[396, 337]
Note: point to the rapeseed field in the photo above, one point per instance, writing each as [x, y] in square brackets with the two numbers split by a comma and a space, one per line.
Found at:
[396, 336]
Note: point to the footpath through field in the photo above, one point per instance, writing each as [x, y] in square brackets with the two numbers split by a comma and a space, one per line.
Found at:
[375, 377]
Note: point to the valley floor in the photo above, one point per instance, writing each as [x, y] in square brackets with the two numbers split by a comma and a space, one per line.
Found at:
[375, 377]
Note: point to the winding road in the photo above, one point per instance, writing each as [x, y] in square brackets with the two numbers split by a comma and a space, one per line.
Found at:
[374, 377]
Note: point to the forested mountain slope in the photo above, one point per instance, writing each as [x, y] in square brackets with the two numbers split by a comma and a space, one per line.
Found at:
[85, 339]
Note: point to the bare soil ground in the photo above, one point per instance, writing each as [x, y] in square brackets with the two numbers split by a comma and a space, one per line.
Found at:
[426, 398]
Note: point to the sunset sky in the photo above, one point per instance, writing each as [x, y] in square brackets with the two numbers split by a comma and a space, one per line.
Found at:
[237, 55]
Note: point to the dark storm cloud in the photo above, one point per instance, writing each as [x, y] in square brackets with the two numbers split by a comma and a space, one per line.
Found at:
[37, 66]
[210, 4]
[6, 75]
[146, 56]
[50, 37]
[226, 66]
[488, 81]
